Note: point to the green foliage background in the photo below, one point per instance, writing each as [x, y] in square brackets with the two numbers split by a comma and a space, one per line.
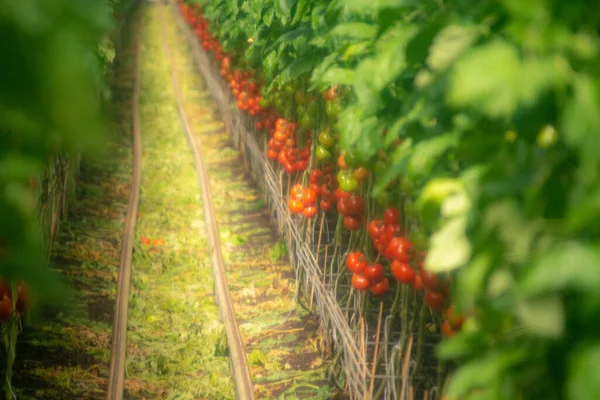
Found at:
[496, 104]
[54, 92]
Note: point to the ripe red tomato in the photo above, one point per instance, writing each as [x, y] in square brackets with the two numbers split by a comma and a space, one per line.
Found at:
[5, 288]
[23, 298]
[381, 287]
[356, 262]
[297, 191]
[360, 282]
[454, 320]
[391, 231]
[309, 196]
[341, 162]
[430, 280]
[418, 283]
[403, 272]
[296, 206]
[435, 300]
[400, 249]
[340, 194]
[5, 308]
[326, 205]
[342, 206]
[376, 228]
[356, 205]
[391, 216]
[447, 330]
[352, 223]
[360, 174]
[272, 154]
[281, 125]
[145, 240]
[315, 175]
[309, 211]
[374, 273]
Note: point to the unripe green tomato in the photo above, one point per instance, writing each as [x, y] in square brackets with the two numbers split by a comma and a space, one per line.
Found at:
[312, 108]
[307, 122]
[351, 158]
[290, 90]
[419, 240]
[407, 187]
[264, 102]
[326, 139]
[323, 154]
[333, 108]
[347, 182]
[384, 199]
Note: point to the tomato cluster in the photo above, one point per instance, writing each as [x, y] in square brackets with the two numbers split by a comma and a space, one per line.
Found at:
[322, 182]
[366, 276]
[352, 207]
[23, 303]
[283, 147]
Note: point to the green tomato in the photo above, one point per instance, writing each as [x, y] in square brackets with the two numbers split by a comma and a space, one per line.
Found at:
[347, 182]
[312, 108]
[407, 187]
[333, 109]
[384, 199]
[278, 102]
[290, 90]
[351, 159]
[323, 154]
[264, 102]
[326, 139]
[419, 240]
[307, 122]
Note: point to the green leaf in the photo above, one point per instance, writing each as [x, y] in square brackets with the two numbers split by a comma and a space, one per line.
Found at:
[257, 357]
[449, 246]
[427, 154]
[372, 5]
[302, 6]
[482, 372]
[355, 30]
[471, 281]
[449, 45]
[569, 265]
[298, 67]
[583, 383]
[542, 316]
[433, 195]
[495, 81]
[270, 62]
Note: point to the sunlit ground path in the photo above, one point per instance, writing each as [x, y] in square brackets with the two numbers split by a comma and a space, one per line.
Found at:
[177, 347]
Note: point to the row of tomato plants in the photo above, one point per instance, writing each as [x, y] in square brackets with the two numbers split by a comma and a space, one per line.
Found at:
[63, 61]
[472, 125]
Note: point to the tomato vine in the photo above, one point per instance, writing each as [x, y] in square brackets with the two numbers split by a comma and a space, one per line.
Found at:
[478, 119]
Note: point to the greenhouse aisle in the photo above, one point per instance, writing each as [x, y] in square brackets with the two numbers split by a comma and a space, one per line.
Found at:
[177, 347]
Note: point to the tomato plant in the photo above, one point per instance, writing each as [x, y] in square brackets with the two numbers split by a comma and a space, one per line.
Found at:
[477, 122]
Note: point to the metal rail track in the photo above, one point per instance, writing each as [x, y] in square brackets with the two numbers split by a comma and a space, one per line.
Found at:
[240, 370]
[116, 379]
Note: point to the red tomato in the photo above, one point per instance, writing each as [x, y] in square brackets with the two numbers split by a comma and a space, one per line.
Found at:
[309, 211]
[400, 249]
[340, 194]
[454, 320]
[374, 273]
[360, 282]
[391, 231]
[281, 124]
[23, 298]
[418, 283]
[145, 240]
[315, 175]
[381, 287]
[356, 205]
[341, 162]
[391, 216]
[300, 165]
[356, 262]
[5, 288]
[309, 196]
[430, 280]
[352, 223]
[296, 206]
[447, 330]
[435, 300]
[375, 228]
[403, 272]
[289, 167]
[5, 308]
[297, 192]
[325, 205]
[342, 206]
[272, 154]
[360, 174]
